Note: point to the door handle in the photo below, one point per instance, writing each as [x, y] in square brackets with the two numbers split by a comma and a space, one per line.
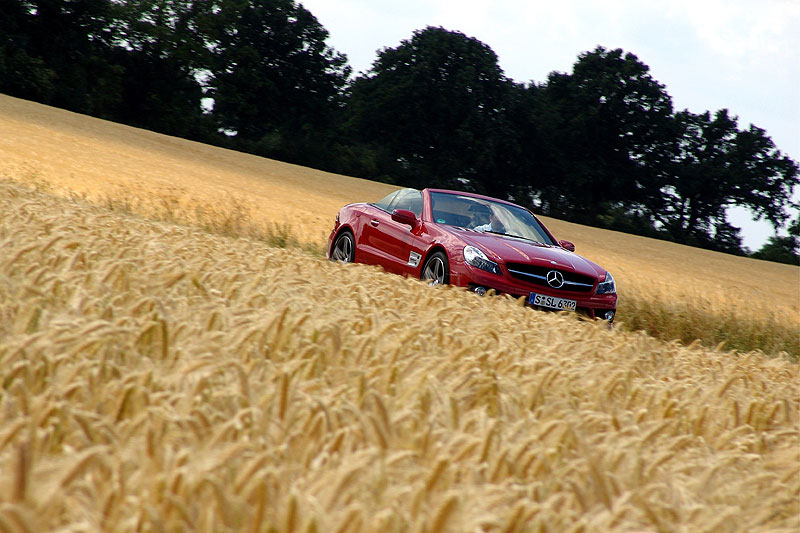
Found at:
[374, 222]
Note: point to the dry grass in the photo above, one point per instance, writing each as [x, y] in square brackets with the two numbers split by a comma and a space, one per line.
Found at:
[157, 377]
[171, 359]
[669, 291]
[677, 292]
[75, 154]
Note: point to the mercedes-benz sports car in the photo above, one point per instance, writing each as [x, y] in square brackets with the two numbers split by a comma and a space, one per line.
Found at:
[472, 241]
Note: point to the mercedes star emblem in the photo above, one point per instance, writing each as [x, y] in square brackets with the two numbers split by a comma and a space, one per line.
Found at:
[555, 279]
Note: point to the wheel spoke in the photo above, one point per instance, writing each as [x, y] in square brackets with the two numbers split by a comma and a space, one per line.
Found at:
[343, 249]
[434, 271]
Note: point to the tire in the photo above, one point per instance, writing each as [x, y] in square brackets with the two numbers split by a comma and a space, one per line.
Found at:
[344, 248]
[436, 269]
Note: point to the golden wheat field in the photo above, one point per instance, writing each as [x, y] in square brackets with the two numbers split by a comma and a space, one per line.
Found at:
[168, 363]
[160, 378]
[670, 291]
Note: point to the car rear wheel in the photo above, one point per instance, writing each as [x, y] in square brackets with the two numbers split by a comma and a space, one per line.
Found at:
[344, 248]
[436, 269]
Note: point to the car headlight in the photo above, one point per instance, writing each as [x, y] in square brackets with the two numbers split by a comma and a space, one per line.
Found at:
[607, 286]
[478, 259]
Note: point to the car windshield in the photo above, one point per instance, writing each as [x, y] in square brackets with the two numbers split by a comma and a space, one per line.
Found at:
[484, 215]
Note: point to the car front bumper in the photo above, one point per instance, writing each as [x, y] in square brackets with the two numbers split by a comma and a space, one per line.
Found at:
[592, 305]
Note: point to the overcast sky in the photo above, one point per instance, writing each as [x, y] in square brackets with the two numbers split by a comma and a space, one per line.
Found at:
[743, 55]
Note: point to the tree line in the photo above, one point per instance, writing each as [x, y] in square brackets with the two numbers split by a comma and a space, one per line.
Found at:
[601, 145]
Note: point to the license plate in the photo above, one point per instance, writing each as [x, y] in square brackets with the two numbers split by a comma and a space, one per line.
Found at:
[551, 302]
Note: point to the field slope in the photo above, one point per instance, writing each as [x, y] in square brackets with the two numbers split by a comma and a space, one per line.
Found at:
[164, 366]
[669, 290]
[160, 378]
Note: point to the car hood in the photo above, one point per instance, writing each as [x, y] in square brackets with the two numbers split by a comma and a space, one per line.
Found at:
[516, 250]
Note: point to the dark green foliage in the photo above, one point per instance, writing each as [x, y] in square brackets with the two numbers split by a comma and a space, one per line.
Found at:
[715, 166]
[161, 47]
[600, 145]
[25, 76]
[780, 250]
[437, 103]
[276, 84]
[608, 129]
[55, 51]
[783, 249]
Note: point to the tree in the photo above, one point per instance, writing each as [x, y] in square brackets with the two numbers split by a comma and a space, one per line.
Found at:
[782, 249]
[274, 81]
[20, 74]
[56, 51]
[162, 46]
[716, 166]
[606, 126]
[436, 107]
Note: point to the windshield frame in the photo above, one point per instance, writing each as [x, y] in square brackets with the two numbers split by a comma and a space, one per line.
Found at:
[465, 210]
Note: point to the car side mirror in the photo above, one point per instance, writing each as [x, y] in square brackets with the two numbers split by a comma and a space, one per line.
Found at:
[567, 245]
[404, 216]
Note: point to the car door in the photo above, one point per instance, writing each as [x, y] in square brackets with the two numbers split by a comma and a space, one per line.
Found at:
[415, 240]
[390, 241]
[366, 227]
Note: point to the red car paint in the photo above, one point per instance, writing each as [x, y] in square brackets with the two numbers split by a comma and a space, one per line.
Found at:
[402, 242]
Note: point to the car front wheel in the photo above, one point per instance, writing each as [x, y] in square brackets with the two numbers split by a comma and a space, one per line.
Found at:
[436, 269]
[344, 248]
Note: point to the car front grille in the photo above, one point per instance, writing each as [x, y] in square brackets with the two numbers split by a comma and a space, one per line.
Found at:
[537, 275]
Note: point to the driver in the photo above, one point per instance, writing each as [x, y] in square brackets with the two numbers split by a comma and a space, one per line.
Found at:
[494, 225]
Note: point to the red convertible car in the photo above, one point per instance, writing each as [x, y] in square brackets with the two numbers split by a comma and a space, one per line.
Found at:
[472, 241]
